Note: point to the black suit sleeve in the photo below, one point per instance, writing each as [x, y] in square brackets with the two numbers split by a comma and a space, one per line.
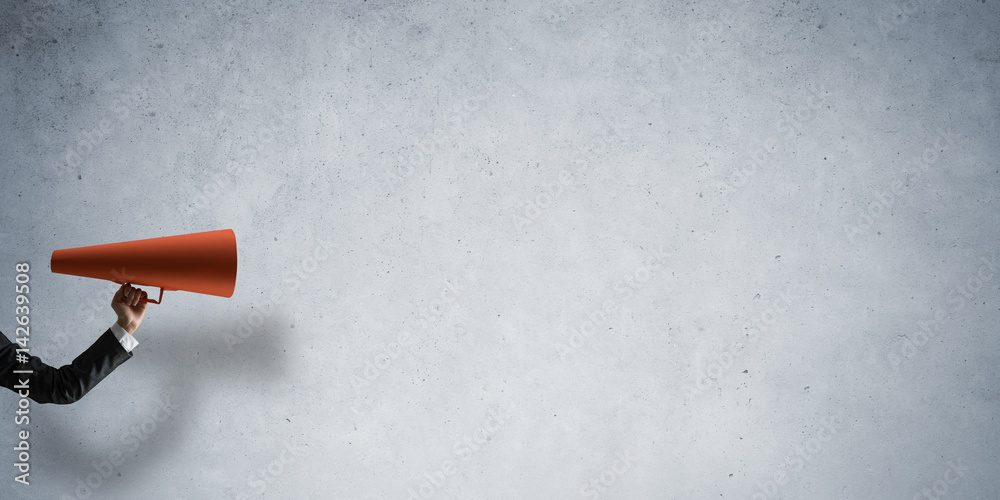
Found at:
[66, 384]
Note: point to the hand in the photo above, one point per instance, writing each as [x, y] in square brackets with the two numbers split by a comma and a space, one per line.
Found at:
[128, 307]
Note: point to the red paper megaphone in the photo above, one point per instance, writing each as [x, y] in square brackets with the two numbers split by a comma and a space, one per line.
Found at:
[197, 262]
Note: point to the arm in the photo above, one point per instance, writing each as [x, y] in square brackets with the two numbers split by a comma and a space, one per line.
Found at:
[67, 384]
[71, 382]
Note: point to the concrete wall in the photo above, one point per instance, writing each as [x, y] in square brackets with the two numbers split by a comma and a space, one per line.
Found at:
[496, 250]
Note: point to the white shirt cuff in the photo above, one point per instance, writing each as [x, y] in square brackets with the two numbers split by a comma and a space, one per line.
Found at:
[127, 341]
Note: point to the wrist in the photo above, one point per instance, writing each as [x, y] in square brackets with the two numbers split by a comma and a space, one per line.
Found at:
[127, 325]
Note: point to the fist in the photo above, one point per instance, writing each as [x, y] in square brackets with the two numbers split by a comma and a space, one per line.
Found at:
[127, 305]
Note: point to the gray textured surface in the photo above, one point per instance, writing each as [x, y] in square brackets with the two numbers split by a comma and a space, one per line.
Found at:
[628, 243]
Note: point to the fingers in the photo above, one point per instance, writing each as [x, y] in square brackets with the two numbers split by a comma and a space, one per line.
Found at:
[130, 295]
